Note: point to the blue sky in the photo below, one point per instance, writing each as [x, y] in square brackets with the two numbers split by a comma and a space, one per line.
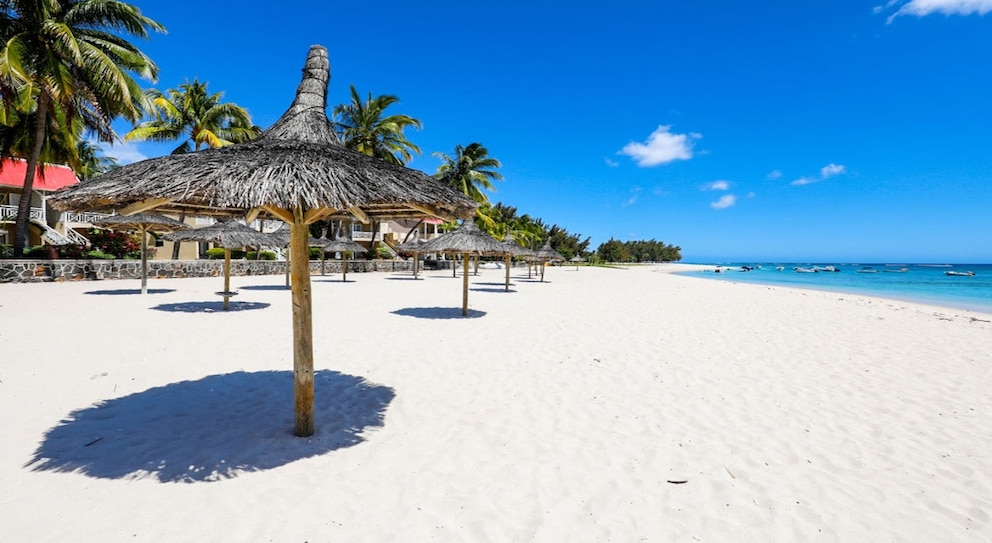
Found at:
[813, 130]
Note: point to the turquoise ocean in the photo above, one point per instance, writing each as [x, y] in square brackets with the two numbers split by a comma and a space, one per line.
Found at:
[925, 283]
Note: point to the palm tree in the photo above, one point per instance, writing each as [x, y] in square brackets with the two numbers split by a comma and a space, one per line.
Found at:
[91, 160]
[196, 117]
[469, 171]
[62, 61]
[363, 127]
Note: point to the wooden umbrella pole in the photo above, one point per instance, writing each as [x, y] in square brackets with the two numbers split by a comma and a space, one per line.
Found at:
[465, 260]
[416, 263]
[144, 260]
[344, 266]
[302, 327]
[323, 256]
[507, 260]
[454, 265]
[289, 260]
[227, 277]
[542, 270]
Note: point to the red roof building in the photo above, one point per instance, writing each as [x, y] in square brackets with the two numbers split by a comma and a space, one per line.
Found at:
[48, 179]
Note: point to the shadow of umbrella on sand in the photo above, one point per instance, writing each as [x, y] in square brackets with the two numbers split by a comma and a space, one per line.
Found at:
[465, 240]
[229, 235]
[141, 223]
[297, 171]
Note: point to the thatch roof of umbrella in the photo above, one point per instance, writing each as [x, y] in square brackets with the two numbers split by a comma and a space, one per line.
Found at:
[577, 258]
[466, 239]
[547, 253]
[227, 234]
[415, 245]
[141, 223]
[296, 171]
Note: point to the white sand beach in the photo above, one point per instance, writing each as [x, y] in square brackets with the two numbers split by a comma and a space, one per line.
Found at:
[602, 405]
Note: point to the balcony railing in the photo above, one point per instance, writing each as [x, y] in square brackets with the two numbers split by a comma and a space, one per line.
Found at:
[86, 218]
[366, 236]
[9, 213]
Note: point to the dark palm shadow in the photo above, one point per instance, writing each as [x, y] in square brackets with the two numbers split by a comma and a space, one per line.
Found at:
[212, 429]
[407, 278]
[500, 284]
[264, 287]
[438, 313]
[210, 307]
[127, 291]
[329, 280]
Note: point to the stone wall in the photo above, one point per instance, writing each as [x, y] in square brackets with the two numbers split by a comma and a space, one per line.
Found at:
[19, 271]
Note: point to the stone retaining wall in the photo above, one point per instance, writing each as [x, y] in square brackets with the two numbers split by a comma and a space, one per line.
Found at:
[20, 271]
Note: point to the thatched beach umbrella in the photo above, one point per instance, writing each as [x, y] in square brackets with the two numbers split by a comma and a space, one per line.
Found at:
[344, 245]
[512, 249]
[296, 171]
[576, 260]
[414, 247]
[465, 240]
[142, 223]
[229, 235]
[547, 254]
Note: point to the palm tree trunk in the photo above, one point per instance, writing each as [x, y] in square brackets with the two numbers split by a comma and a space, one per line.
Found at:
[24, 204]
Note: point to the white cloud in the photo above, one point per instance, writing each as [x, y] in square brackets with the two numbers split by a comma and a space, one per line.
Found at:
[826, 172]
[922, 8]
[831, 170]
[630, 201]
[661, 147]
[717, 185]
[774, 174]
[611, 163]
[724, 202]
[124, 152]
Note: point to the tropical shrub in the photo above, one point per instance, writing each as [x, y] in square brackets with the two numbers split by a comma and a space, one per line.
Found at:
[118, 244]
[266, 255]
[218, 253]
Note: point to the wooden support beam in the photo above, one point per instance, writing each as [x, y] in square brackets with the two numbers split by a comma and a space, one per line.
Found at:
[252, 215]
[359, 214]
[317, 214]
[143, 205]
[284, 215]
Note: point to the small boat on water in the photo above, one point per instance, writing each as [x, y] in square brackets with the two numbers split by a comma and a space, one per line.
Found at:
[804, 270]
[826, 268]
[960, 273]
[867, 269]
[900, 270]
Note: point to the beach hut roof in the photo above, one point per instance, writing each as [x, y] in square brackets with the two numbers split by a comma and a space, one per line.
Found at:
[298, 163]
[415, 245]
[227, 234]
[467, 238]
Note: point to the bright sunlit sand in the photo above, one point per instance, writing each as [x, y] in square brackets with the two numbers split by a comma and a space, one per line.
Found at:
[601, 405]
